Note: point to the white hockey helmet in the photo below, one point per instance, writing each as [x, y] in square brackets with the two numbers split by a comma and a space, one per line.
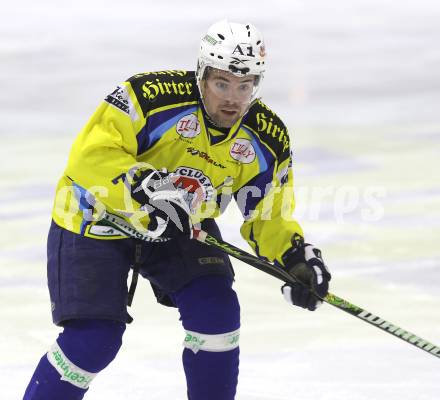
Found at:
[235, 48]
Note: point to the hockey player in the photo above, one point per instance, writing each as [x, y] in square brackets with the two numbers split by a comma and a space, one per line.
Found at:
[164, 151]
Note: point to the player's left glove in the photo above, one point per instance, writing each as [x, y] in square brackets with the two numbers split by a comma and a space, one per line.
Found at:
[168, 212]
[305, 263]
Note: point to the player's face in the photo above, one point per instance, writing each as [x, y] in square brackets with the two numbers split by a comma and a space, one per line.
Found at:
[226, 96]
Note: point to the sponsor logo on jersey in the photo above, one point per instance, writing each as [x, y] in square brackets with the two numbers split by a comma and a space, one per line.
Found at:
[120, 99]
[269, 127]
[157, 87]
[196, 187]
[104, 231]
[204, 156]
[242, 151]
[188, 126]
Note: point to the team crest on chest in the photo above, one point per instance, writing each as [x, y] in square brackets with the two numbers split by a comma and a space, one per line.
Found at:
[196, 187]
[188, 126]
[242, 151]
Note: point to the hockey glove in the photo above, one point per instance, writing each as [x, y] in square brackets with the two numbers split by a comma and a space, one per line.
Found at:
[168, 212]
[304, 262]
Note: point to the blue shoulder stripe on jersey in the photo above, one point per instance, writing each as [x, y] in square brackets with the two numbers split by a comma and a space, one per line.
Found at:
[157, 124]
[264, 156]
[263, 183]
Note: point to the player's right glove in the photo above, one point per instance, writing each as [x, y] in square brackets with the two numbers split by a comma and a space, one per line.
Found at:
[304, 262]
[168, 212]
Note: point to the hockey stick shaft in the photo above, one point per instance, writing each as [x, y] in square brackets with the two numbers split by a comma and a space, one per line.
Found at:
[330, 298]
[284, 276]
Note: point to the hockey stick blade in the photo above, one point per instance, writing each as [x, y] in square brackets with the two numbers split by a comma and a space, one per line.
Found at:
[330, 298]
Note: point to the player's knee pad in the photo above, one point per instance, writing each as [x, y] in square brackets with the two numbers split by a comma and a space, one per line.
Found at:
[210, 314]
[84, 348]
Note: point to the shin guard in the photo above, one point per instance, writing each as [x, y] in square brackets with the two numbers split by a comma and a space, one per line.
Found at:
[210, 314]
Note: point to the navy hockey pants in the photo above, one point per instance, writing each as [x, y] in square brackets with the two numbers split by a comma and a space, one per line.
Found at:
[208, 306]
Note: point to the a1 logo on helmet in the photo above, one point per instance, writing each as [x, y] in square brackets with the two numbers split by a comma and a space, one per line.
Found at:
[248, 50]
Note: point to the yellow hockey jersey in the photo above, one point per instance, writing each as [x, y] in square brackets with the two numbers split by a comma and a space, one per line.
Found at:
[156, 119]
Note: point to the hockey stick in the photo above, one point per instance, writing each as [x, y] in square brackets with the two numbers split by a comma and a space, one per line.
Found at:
[283, 275]
[332, 299]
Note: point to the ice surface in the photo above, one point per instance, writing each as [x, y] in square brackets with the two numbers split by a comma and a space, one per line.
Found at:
[358, 84]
